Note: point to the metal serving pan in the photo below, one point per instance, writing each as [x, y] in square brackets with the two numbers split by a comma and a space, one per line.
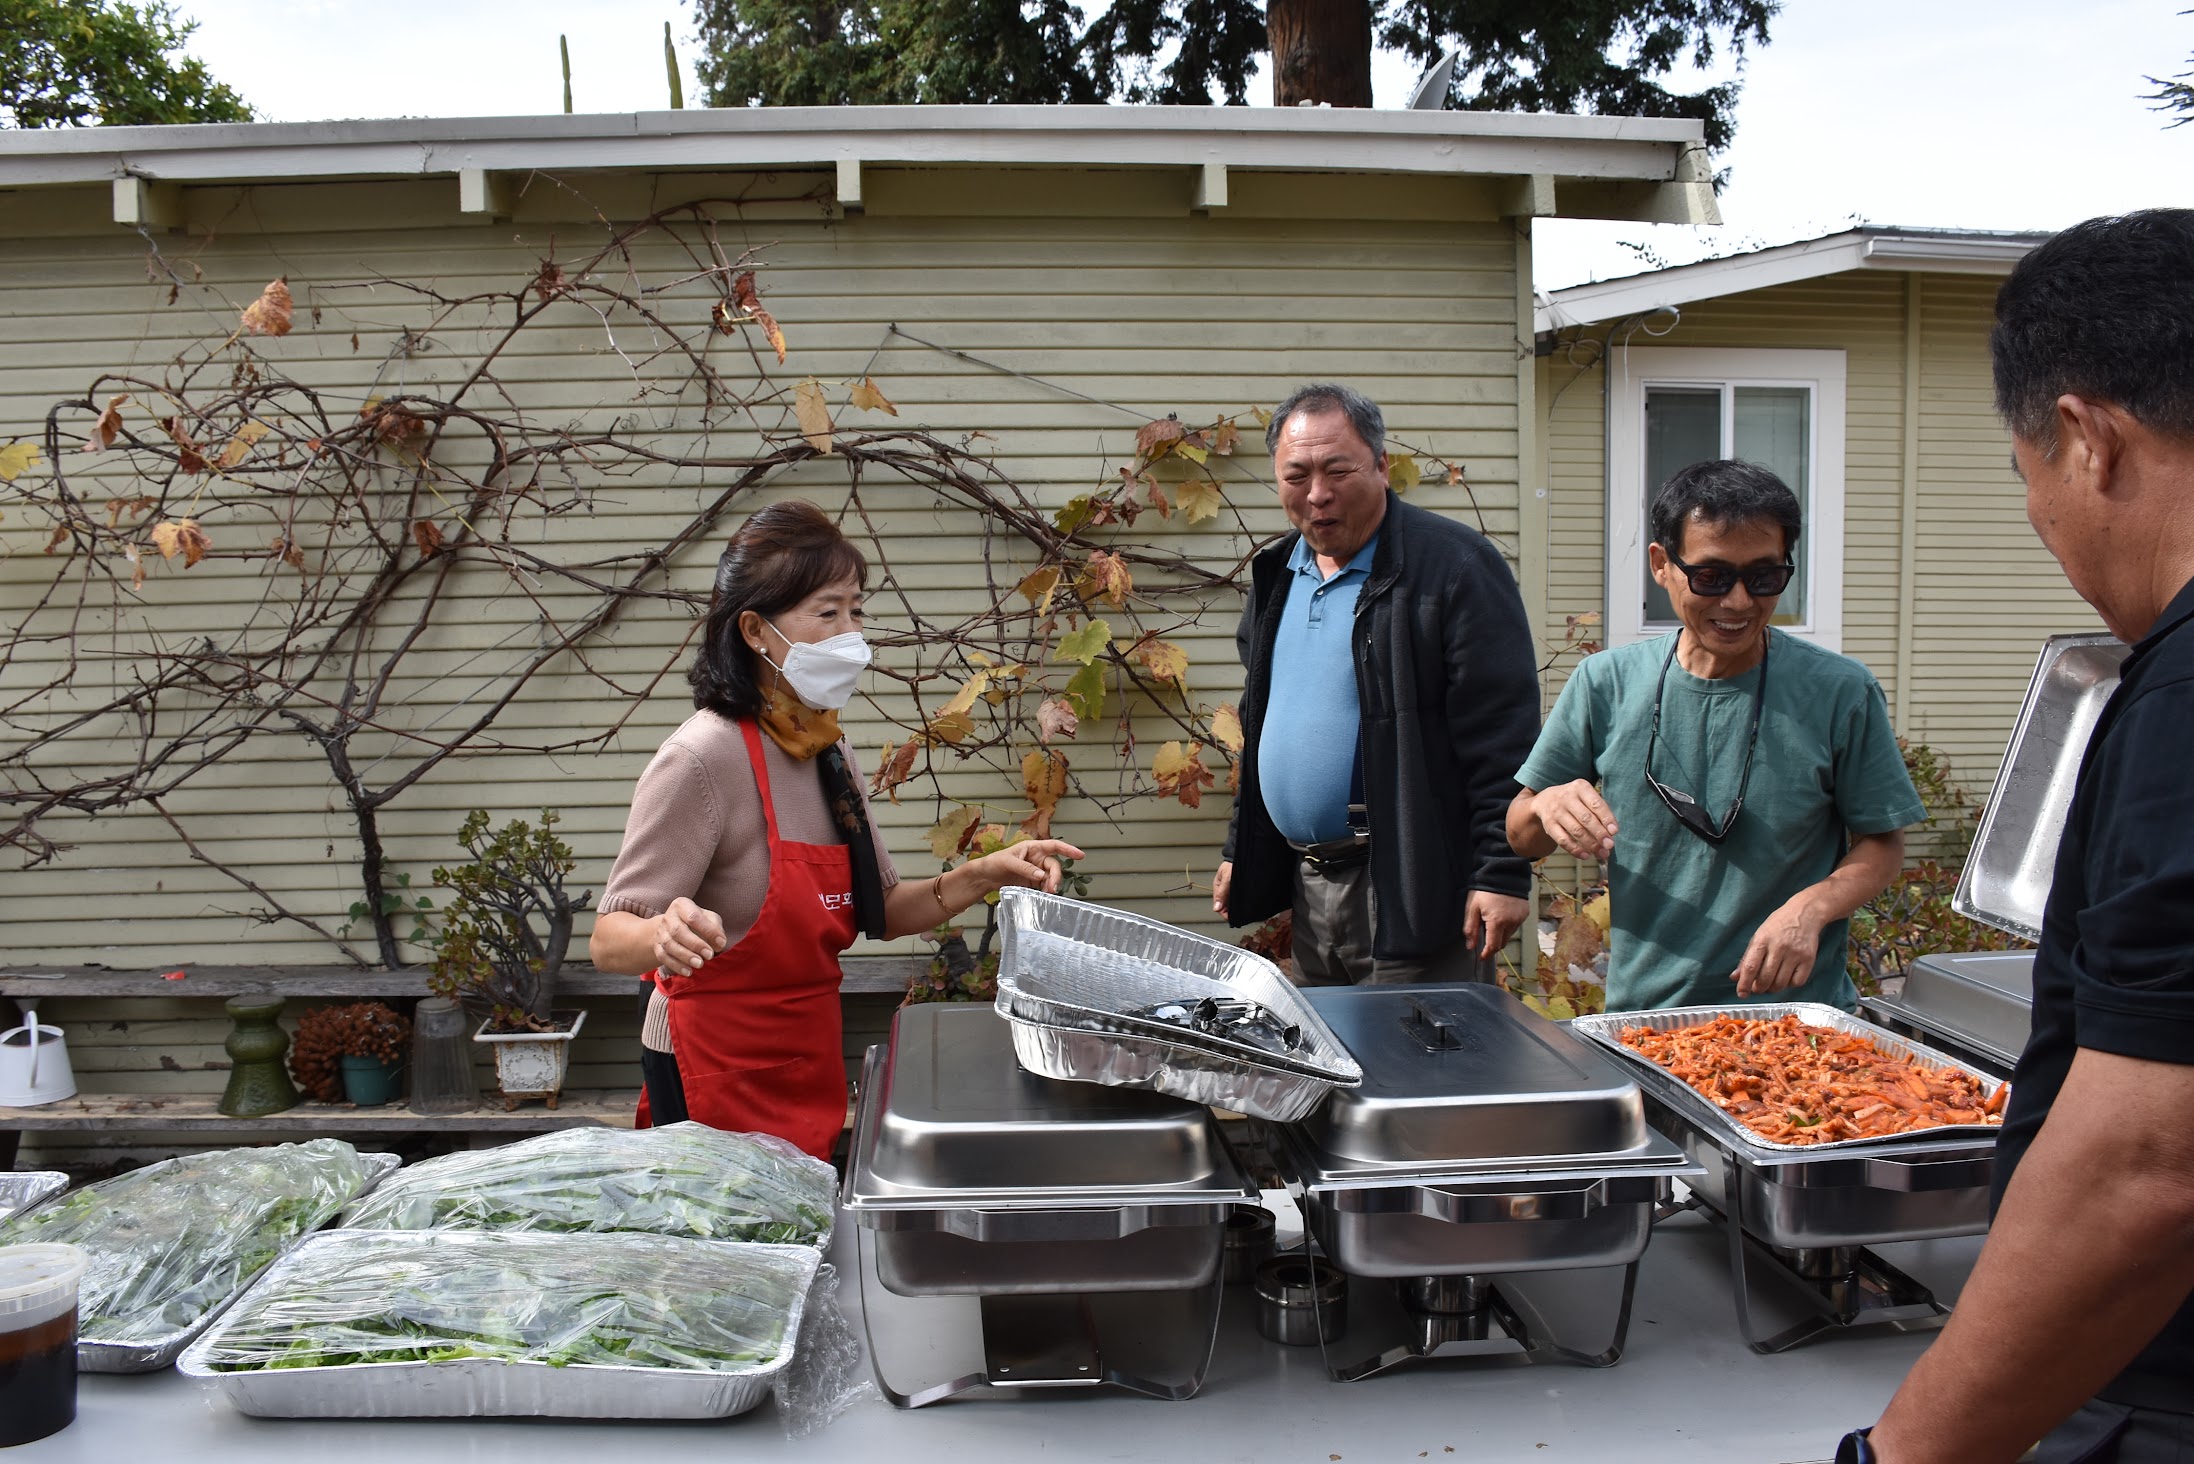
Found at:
[2007, 876]
[1069, 974]
[979, 1177]
[156, 1353]
[1483, 1140]
[490, 1387]
[1607, 1029]
[1978, 1003]
[20, 1189]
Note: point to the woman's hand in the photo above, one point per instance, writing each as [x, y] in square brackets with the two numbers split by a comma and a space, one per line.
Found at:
[685, 937]
[1032, 863]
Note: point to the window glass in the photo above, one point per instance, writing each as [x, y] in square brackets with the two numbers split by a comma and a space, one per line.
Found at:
[1771, 429]
[1768, 425]
[1683, 426]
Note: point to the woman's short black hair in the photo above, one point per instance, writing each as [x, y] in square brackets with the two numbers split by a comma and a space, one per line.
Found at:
[1724, 491]
[781, 555]
[2104, 310]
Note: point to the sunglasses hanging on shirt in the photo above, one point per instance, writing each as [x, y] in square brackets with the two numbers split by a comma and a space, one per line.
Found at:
[1688, 810]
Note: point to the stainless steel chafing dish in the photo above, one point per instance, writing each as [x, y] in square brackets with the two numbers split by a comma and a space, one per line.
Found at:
[1979, 1004]
[1027, 1232]
[1809, 1213]
[1485, 1147]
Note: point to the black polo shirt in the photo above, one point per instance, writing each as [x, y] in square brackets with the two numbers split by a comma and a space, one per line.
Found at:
[2116, 967]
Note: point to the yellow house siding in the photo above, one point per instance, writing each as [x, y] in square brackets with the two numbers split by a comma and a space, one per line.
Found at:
[1984, 592]
[1146, 306]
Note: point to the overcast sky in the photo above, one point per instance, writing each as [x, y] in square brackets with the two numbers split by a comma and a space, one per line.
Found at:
[1989, 114]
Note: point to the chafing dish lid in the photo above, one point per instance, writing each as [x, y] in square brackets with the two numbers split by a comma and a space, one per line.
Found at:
[2007, 876]
[956, 1114]
[1458, 1074]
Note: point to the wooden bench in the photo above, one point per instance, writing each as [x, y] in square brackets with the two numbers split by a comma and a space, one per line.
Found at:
[168, 1101]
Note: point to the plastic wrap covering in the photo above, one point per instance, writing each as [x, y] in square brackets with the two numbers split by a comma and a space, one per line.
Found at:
[828, 1374]
[172, 1242]
[26, 1187]
[366, 1323]
[684, 1179]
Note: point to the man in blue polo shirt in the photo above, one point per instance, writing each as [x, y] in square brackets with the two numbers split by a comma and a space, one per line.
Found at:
[1391, 692]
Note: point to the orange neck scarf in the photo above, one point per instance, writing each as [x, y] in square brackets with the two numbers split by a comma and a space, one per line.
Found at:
[799, 729]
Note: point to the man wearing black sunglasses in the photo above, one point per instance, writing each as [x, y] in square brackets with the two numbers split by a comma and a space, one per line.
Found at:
[1741, 787]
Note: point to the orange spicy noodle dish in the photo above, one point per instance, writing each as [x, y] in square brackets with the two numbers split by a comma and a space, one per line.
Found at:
[1795, 1084]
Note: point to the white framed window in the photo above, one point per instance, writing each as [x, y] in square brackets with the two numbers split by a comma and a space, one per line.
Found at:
[1669, 408]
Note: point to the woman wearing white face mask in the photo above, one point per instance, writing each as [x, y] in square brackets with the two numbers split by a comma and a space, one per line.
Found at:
[749, 862]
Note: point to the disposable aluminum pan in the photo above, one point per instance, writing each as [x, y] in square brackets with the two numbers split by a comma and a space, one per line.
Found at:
[22, 1189]
[156, 1353]
[1070, 975]
[1914, 1186]
[1607, 1030]
[476, 1387]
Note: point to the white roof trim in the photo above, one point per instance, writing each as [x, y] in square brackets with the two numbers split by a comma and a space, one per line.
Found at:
[1945, 250]
[1314, 139]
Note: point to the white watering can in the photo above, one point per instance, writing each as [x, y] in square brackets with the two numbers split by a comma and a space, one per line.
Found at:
[34, 1065]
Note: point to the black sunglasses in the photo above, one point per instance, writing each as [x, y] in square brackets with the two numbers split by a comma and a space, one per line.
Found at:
[1688, 810]
[1712, 581]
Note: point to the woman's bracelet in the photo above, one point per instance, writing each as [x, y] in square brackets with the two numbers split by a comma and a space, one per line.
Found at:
[937, 889]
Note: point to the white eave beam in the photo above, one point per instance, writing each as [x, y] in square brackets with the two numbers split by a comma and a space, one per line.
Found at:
[140, 203]
[483, 193]
[849, 185]
[1211, 188]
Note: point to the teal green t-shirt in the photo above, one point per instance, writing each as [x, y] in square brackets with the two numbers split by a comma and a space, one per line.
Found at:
[1683, 910]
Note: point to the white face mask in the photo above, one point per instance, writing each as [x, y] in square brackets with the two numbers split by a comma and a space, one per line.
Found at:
[823, 673]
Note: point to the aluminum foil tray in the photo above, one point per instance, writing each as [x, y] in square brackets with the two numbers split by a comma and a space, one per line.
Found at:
[490, 1387]
[1098, 1057]
[1069, 974]
[157, 1353]
[1606, 1029]
[21, 1189]
[2006, 878]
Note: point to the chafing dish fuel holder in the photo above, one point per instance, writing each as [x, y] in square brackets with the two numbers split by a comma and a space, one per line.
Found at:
[1488, 1188]
[1018, 1232]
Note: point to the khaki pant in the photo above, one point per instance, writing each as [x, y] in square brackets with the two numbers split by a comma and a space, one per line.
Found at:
[1336, 914]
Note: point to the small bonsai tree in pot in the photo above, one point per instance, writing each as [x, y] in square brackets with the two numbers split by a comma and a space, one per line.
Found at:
[353, 1052]
[504, 938]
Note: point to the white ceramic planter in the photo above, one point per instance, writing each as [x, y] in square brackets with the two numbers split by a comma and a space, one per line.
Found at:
[532, 1064]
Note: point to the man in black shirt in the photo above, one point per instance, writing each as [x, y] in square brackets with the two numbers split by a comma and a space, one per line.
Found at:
[2076, 1322]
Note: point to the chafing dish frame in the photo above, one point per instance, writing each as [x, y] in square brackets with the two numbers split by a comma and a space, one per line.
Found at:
[1785, 1205]
[1048, 1336]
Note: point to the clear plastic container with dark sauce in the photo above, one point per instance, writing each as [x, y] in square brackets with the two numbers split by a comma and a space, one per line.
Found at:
[37, 1340]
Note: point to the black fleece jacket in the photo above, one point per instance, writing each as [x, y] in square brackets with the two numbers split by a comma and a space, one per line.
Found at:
[1449, 699]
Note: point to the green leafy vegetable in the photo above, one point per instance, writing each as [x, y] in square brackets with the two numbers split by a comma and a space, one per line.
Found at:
[172, 1241]
[352, 1297]
[684, 1179]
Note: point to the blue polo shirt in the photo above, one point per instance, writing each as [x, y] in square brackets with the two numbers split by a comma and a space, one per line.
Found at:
[1306, 748]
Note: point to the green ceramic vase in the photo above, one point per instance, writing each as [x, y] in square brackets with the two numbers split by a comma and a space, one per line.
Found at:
[258, 1082]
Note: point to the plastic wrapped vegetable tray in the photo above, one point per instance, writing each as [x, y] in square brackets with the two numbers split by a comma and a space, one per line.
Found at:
[22, 1188]
[463, 1324]
[174, 1242]
[682, 1179]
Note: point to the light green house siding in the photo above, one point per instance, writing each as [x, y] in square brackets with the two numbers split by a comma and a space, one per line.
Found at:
[1954, 644]
[1101, 283]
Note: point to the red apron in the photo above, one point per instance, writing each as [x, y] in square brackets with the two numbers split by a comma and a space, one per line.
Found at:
[757, 1030]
